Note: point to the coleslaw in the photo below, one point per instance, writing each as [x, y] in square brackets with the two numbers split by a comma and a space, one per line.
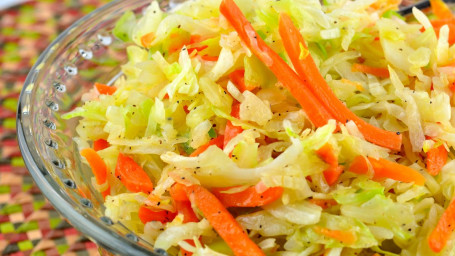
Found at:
[291, 128]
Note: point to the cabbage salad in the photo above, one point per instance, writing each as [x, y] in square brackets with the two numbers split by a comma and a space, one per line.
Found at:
[279, 127]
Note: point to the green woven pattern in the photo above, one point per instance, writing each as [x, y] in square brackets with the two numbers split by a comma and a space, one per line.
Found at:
[28, 223]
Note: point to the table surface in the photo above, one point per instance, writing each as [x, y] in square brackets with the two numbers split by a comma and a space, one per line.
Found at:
[28, 223]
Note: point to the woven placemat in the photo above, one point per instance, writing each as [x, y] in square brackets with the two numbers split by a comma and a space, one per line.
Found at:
[28, 223]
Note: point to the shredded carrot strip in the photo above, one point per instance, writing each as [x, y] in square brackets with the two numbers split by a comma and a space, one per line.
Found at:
[248, 198]
[315, 111]
[100, 144]
[356, 84]
[441, 10]
[387, 169]
[437, 24]
[177, 43]
[198, 48]
[147, 215]
[218, 141]
[223, 222]
[436, 159]
[183, 205]
[309, 73]
[346, 237]
[327, 155]
[333, 172]
[444, 229]
[231, 130]
[184, 208]
[209, 58]
[147, 39]
[238, 78]
[178, 192]
[105, 89]
[98, 166]
[196, 39]
[132, 175]
[323, 203]
[379, 72]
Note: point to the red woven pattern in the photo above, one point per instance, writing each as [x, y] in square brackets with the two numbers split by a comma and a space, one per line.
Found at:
[28, 223]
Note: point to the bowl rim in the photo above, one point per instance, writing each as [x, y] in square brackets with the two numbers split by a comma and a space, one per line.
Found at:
[96, 231]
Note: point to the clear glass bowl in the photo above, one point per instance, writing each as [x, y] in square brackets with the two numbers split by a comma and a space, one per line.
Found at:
[86, 52]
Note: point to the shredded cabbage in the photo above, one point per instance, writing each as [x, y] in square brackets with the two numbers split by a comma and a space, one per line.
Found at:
[181, 112]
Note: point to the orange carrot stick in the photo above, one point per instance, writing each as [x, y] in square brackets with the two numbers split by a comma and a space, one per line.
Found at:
[333, 172]
[308, 71]
[345, 237]
[327, 155]
[105, 89]
[178, 192]
[437, 24]
[235, 110]
[132, 175]
[197, 48]
[248, 198]
[196, 39]
[98, 166]
[443, 231]
[147, 39]
[436, 159]
[441, 10]
[218, 141]
[184, 208]
[238, 78]
[183, 205]
[379, 72]
[386, 169]
[223, 222]
[323, 203]
[163, 216]
[100, 144]
[209, 58]
[398, 172]
[315, 111]
[231, 130]
[185, 252]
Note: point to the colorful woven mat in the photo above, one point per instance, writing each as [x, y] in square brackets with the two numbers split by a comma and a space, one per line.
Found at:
[28, 223]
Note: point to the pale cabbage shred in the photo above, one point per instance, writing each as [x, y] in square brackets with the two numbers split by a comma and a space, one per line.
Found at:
[140, 121]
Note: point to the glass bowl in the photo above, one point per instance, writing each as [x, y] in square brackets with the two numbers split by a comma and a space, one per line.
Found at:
[84, 53]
